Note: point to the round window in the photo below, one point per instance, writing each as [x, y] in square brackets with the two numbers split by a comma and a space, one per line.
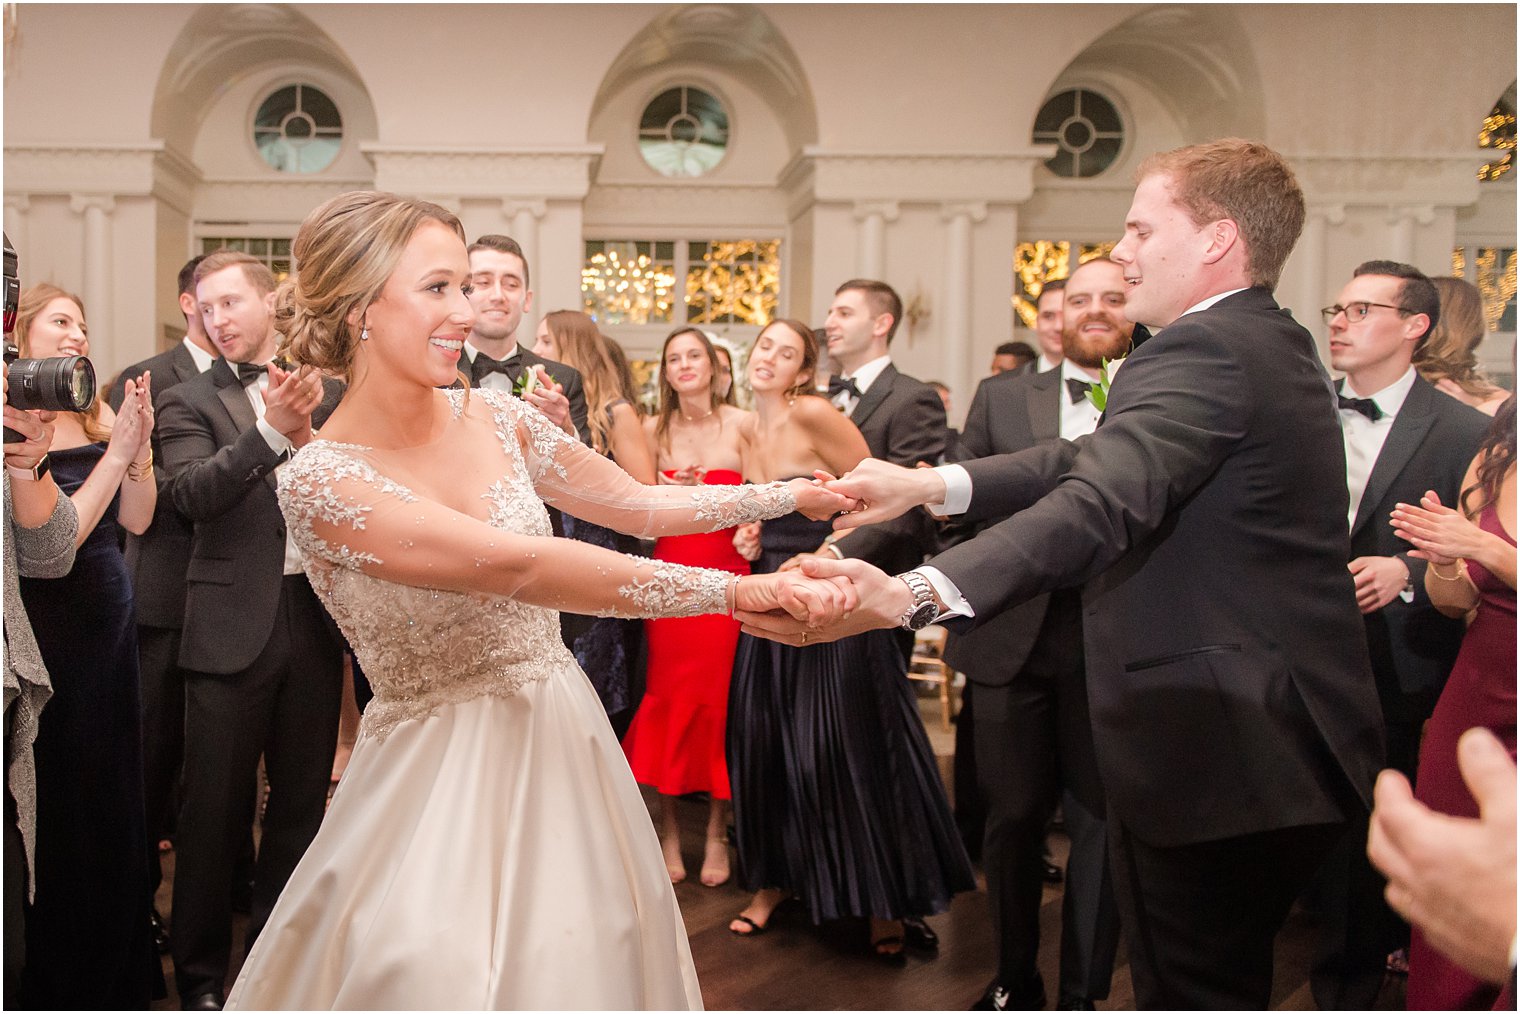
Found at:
[683, 132]
[1086, 128]
[298, 130]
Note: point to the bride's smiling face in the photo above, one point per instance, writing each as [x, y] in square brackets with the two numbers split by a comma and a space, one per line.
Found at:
[418, 325]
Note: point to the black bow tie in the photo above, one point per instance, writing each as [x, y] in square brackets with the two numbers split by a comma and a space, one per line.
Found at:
[483, 365]
[1077, 388]
[1366, 406]
[248, 374]
[838, 385]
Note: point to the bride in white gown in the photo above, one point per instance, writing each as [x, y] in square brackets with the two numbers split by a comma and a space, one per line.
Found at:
[487, 847]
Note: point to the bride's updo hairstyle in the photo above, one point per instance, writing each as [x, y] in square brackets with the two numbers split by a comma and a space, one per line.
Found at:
[345, 252]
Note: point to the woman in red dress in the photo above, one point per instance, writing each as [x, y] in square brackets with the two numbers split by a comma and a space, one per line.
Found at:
[1471, 552]
[675, 743]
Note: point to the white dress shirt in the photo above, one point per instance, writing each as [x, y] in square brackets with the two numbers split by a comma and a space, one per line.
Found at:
[958, 489]
[1044, 364]
[1365, 438]
[1080, 417]
[280, 444]
[491, 381]
[202, 358]
[863, 378]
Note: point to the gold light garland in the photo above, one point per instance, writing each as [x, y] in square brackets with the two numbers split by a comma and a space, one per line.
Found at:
[627, 286]
[1495, 276]
[736, 282]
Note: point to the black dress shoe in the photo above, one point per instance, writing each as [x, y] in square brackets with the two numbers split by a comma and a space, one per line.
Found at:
[1053, 874]
[919, 935]
[998, 997]
[160, 932]
[210, 1000]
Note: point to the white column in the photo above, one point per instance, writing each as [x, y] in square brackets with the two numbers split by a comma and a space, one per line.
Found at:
[16, 208]
[525, 216]
[1313, 286]
[870, 236]
[956, 333]
[1401, 222]
[96, 209]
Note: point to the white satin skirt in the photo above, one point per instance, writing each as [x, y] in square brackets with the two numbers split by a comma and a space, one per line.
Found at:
[493, 855]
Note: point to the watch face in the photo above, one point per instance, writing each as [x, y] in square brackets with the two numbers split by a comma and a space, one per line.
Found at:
[922, 616]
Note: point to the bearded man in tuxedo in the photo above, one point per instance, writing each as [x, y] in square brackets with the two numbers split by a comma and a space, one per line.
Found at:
[1235, 719]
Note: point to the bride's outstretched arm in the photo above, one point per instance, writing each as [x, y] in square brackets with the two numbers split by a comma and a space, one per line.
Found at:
[569, 475]
[344, 512]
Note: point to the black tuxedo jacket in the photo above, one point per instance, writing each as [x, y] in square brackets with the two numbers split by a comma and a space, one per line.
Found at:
[159, 557]
[903, 421]
[1206, 523]
[1433, 439]
[222, 478]
[567, 377]
[1010, 412]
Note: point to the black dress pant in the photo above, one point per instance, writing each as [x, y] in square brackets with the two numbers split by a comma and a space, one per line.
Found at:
[284, 708]
[163, 716]
[1032, 739]
[1200, 920]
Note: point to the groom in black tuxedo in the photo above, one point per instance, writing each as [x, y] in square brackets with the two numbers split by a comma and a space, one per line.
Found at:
[1234, 714]
[262, 659]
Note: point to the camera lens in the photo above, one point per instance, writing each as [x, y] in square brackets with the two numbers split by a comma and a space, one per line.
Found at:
[60, 384]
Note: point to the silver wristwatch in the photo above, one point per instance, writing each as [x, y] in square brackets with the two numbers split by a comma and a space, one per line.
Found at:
[923, 611]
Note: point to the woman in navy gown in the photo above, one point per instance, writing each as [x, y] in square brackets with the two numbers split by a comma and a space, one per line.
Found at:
[89, 942]
[1471, 554]
[838, 800]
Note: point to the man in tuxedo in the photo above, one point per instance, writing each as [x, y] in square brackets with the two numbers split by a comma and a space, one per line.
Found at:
[1031, 735]
[500, 295]
[1402, 437]
[262, 660]
[902, 419]
[158, 559]
[1009, 357]
[1234, 715]
[1049, 322]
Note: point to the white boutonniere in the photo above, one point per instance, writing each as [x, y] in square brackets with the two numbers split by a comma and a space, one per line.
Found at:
[527, 383]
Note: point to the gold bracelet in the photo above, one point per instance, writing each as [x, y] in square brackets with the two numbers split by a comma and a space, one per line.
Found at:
[732, 595]
[139, 471]
[1461, 569]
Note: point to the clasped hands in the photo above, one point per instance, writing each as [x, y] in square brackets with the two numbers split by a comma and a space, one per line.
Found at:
[872, 492]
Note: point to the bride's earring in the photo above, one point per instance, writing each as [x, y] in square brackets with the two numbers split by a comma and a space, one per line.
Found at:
[364, 334]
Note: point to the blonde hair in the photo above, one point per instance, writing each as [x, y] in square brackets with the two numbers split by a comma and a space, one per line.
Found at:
[345, 252]
[28, 309]
[582, 346]
[1449, 351]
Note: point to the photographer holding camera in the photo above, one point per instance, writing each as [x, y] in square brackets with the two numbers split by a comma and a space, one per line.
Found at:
[91, 905]
[40, 527]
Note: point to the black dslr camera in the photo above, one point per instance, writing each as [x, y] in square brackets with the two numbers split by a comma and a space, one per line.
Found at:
[60, 384]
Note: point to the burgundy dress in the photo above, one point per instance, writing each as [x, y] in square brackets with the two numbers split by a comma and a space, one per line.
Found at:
[675, 742]
[1480, 691]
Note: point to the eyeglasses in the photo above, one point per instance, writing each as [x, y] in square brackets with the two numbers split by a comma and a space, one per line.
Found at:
[1357, 312]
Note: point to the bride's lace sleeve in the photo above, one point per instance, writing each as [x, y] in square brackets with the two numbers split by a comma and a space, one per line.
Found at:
[577, 480]
[344, 514]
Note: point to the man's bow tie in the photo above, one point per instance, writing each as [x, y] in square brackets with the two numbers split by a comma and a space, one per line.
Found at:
[1077, 388]
[248, 374]
[484, 365]
[837, 385]
[1366, 406]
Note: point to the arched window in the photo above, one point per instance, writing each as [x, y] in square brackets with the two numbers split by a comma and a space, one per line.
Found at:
[683, 132]
[1085, 126]
[298, 130]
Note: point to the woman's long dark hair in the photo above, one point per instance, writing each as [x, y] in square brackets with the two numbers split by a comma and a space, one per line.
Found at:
[1496, 456]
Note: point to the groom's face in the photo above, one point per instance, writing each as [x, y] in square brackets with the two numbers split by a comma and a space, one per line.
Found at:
[1162, 253]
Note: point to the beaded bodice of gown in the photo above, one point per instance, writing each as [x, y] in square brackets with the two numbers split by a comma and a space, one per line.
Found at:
[424, 647]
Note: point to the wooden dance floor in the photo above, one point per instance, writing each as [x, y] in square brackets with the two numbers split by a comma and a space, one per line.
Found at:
[796, 966]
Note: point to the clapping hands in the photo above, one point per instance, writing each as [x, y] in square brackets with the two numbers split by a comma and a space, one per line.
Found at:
[132, 432]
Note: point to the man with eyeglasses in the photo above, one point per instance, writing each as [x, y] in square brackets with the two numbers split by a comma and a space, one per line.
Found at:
[1403, 437]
